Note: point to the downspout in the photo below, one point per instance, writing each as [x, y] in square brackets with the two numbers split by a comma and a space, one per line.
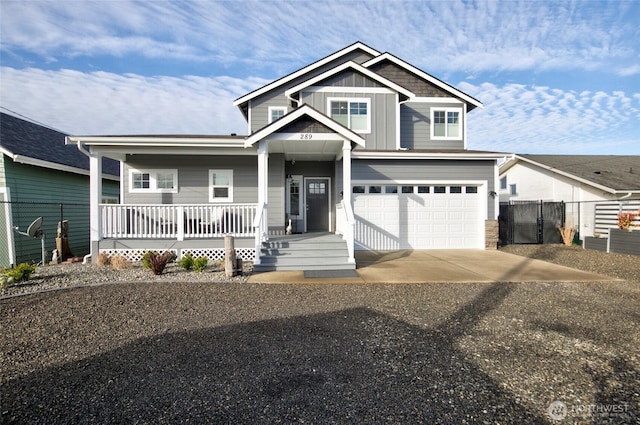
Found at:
[626, 196]
[85, 259]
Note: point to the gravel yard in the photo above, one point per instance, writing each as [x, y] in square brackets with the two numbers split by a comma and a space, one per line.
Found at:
[189, 347]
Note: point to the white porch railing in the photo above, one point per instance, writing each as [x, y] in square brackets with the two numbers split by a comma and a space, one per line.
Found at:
[345, 222]
[177, 221]
[261, 229]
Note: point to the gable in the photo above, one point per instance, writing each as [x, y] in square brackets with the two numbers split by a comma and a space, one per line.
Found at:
[305, 124]
[357, 52]
[408, 80]
[349, 78]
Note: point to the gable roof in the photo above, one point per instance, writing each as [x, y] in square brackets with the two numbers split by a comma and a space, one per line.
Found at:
[428, 77]
[611, 173]
[355, 67]
[29, 143]
[287, 78]
[297, 114]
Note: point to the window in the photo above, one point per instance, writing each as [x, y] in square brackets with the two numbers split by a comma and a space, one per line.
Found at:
[220, 185]
[407, 189]
[455, 189]
[423, 189]
[503, 183]
[375, 189]
[391, 189]
[352, 113]
[471, 189]
[153, 181]
[446, 123]
[295, 200]
[276, 112]
[358, 189]
[439, 189]
[512, 189]
[317, 188]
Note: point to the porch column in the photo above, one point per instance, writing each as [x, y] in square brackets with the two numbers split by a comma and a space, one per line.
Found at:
[346, 199]
[263, 173]
[95, 197]
[346, 172]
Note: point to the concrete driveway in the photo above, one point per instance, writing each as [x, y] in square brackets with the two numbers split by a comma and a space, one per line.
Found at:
[440, 266]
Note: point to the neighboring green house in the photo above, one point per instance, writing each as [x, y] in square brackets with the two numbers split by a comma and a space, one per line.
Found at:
[42, 177]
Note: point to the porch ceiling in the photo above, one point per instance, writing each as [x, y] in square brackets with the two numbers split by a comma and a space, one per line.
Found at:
[307, 150]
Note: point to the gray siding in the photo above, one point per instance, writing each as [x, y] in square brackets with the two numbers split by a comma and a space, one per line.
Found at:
[383, 116]
[259, 107]
[193, 178]
[417, 85]
[415, 127]
[440, 170]
[193, 181]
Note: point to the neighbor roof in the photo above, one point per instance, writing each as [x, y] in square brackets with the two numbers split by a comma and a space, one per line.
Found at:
[30, 143]
[617, 173]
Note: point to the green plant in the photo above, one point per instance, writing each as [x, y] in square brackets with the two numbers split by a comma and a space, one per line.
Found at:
[158, 263]
[146, 262]
[200, 263]
[21, 272]
[186, 262]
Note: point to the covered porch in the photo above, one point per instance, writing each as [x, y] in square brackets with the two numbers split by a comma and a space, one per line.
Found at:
[317, 198]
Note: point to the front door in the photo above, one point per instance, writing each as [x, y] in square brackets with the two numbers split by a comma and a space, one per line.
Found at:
[317, 197]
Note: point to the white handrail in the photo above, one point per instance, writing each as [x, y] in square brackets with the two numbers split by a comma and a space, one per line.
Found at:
[345, 223]
[260, 230]
[124, 221]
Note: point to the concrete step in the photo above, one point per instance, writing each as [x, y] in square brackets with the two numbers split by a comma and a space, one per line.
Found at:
[305, 252]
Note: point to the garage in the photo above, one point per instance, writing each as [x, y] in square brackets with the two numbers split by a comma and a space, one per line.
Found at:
[419, 216]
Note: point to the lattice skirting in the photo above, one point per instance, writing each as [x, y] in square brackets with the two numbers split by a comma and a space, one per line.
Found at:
[214, 254]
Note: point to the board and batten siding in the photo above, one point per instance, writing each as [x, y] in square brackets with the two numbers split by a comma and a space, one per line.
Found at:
[193, 180]
[431, 170]
[383, 115]
[259, 107]
[415, 127]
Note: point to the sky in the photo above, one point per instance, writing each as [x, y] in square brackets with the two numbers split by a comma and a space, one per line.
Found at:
[554, 77]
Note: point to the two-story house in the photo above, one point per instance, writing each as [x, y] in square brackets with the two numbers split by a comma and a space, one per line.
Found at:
[357, 151]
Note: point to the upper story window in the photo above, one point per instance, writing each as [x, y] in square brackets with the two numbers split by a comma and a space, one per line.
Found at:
[220, 185]
[353, 113]
[503, 182]
[446, 123]
[165, 181]
[276, 112]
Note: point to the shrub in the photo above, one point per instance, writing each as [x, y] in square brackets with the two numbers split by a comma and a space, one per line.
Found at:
[625, 220]
[186, 262]
[200, 263]
[21, 272]
[103, 259]
[146, 262]
[159, 262]
[120, 263]
[171, 256]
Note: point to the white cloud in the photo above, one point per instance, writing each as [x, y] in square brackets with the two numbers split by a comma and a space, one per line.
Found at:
[452, 36]
[106, 103]
[530, 119]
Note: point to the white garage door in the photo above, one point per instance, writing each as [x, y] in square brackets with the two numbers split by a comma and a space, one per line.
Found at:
[390, 217]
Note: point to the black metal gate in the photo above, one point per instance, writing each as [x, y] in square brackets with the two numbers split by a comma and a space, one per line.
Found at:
[531, 222]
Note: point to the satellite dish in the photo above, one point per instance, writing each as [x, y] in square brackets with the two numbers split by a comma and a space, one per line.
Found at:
[35, 229]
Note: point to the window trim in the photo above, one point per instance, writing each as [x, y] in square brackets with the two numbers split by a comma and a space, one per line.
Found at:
[276, 108]
[446, 110]
[349, 100]
[153, 180]
[227, 199]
